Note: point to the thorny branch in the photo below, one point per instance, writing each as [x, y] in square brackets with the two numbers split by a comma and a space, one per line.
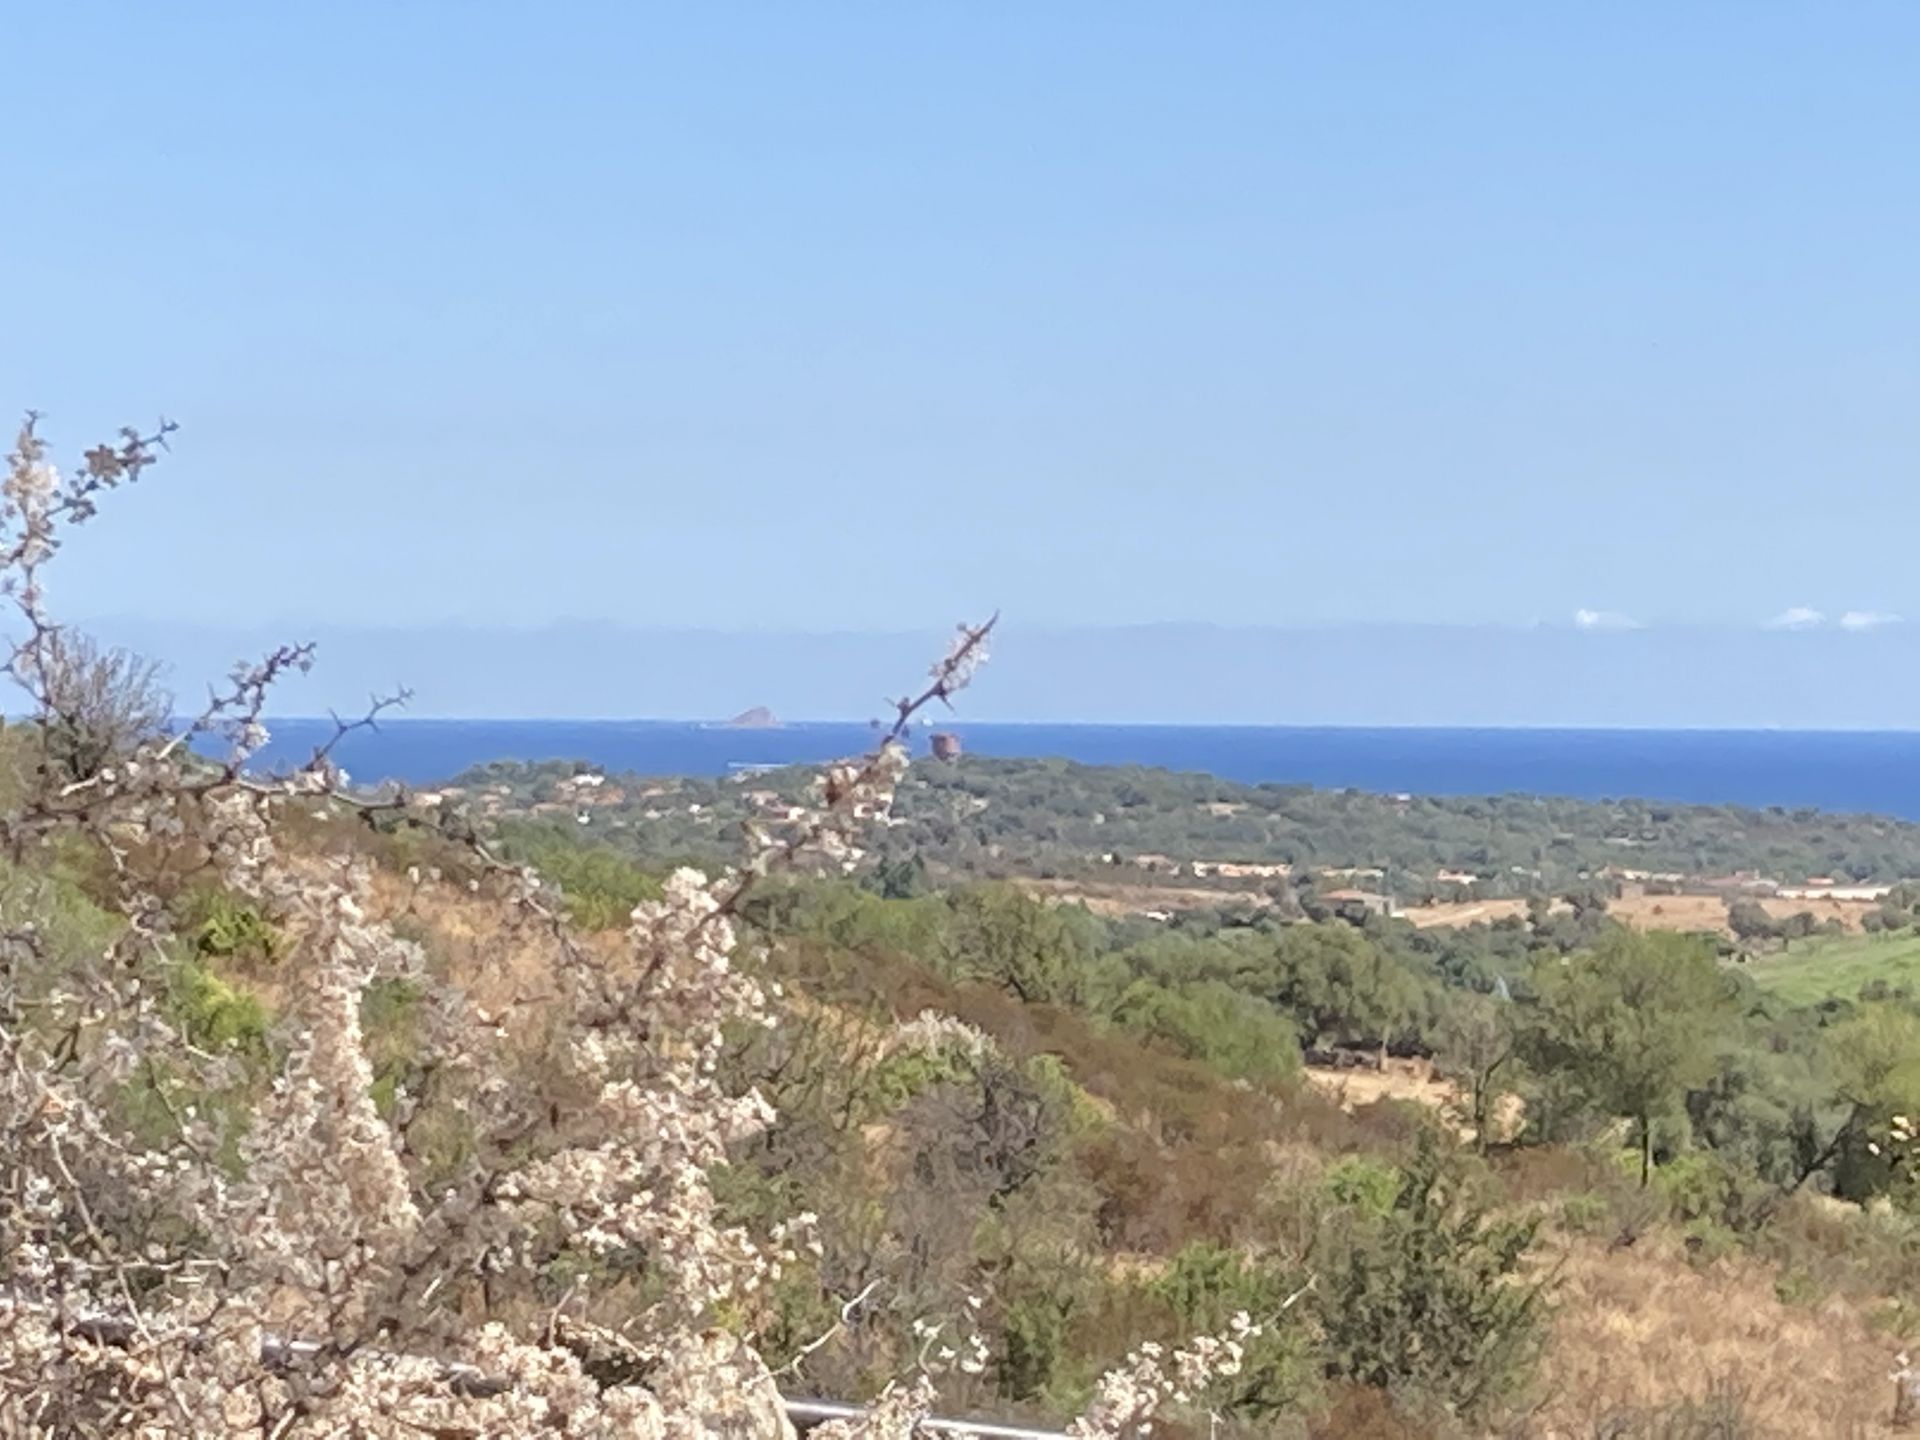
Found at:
[166, 1213]
[140, 1274]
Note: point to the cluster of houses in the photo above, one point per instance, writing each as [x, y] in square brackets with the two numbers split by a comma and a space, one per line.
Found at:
[1203, 869]
[1748, 883]
[1354, 892]
[582, 794]
[770, 806]
[576, 795]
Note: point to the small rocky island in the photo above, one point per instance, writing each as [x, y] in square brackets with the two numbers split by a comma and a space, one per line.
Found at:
[758, 718]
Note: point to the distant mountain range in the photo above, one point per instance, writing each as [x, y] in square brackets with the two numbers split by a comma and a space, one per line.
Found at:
[1367, 675]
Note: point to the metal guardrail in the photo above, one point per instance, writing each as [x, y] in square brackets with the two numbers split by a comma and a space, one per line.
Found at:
[807, 1414]
[804, 1413]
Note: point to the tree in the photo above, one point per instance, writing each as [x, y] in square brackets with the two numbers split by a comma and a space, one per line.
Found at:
[1799, 925]
[902, 879]
[1237, 1034]
[1749, 920]
[1886, 918]
[1632, 1021]
[1875, 1053]
[1476, 1041]
[98, 703]
[1592, 896]
[1036, 952]
[1336, 982]
[1770, 1106]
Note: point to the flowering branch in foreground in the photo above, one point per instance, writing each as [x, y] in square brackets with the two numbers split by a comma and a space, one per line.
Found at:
[171, 1223]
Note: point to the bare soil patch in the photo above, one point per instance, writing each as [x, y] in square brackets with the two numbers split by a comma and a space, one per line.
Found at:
[1464, 912]
[1118, 899]
[1398, 1080]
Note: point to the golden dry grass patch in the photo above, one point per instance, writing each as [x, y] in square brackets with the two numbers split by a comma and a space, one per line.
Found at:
[1415, 1081]
[1116, 900]
[1700, 913]
[1411, 1080]
[1642, 1328]
[1455, 913]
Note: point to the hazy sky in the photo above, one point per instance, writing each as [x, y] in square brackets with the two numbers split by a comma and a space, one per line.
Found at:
[832, 316]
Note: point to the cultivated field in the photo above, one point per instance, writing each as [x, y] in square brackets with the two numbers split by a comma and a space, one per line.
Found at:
[1464, 912]
[1116, 899]
[1709, 912]
[1649, 912]
[1809, 971]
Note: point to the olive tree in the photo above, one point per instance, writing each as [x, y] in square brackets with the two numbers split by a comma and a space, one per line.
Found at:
[1632, 1021]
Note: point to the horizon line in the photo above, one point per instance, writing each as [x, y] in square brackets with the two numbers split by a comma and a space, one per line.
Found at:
[1769, 625]
[869, 723]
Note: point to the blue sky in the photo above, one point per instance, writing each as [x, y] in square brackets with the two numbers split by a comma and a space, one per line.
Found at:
[831, 317]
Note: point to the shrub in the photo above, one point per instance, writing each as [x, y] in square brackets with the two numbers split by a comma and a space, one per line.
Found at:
[1584, 1214]
[216, 1014]
[1723, 1412]
[1701, 1187]
[1363, 1183]
[69, 929]
[1429, 1297]
[225, 927]
[1034, 1331]
[1236, 1034]
[388, 1009]
[1206, 1285]
[600, 886]
[100, 703]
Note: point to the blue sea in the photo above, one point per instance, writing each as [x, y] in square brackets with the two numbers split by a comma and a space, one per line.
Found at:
[1874, 771]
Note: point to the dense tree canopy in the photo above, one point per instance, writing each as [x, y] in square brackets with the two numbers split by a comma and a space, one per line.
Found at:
[1634, 1021]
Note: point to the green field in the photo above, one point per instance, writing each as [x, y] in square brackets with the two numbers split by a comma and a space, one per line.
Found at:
[1813, 970]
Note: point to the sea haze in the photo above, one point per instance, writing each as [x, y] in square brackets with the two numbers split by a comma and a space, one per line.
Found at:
[1424, 675]
[1874, 771]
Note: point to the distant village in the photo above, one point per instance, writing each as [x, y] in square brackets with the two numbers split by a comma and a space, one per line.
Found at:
[1367, 885]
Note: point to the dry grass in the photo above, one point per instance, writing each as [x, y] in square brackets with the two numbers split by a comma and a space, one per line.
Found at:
[1415, 1081]
[1640, 1330]
[1397, 1080]
[1709, 912]
[1649, 912]
[1672, 912]
[1464, 912]
[503, 960]
[1117, 900]
[1704, 913]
